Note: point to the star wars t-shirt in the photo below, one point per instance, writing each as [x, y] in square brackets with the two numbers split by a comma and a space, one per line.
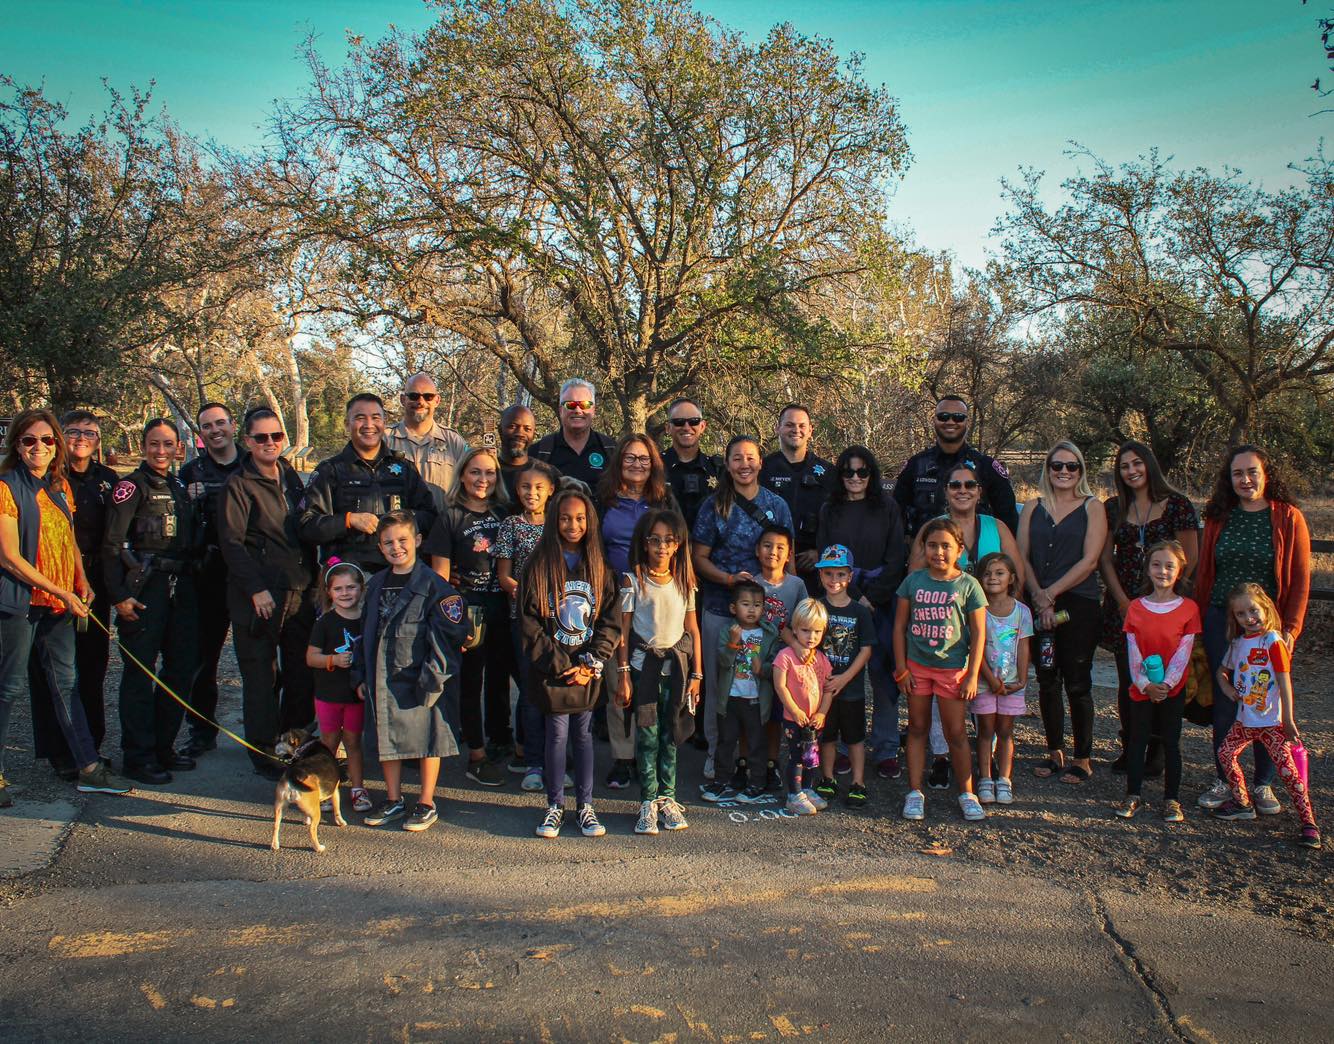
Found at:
[851, 629]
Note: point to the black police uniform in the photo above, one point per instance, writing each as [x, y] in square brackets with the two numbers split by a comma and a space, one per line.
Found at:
[692, 481]
[920, 487]
[150, 552]
[346, 484]
[203, 479]
[587, 466]
[806, 486]
[92, 493]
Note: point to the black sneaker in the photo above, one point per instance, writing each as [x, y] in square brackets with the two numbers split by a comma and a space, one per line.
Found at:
[751, 795]
[621, 775]
[740, 775]
[422, 817]
[773, 781]
[485, 772]
[153, 775]
[65, 769]
[715, 792]
[827, 789]
[940, 774]
[201, 745]
[386, 813]
[855, 797]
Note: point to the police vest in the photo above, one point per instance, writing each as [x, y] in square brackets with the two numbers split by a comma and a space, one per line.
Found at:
[163, 519]
[377, 492]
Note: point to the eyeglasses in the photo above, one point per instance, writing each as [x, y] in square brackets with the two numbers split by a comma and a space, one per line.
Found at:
[957, 418]
[857, 472]
[681, 422]
[263, 437]
[962, 483]
[29, 441]
[642, 459]
[1072, 466]
[578, 404]
[419, 396]
[87, 434]
[658, 541]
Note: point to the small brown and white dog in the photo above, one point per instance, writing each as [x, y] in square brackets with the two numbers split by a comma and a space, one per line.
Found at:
[310, 777]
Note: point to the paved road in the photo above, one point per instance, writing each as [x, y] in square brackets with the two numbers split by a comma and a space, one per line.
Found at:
[166, 917]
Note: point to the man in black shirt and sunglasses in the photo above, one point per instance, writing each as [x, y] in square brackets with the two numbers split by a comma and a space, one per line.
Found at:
[693, 474]
[577, 450]
[920, 487]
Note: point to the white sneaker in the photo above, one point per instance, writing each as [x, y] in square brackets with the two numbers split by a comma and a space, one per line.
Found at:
[1215, 795]
[671, 815]
[971, 808]
[914, 805]
[708, 767]
[799, 805]
[1004, 791]
[648, 818]
[532, 781]
[1265, 802]
[986, 791]
[815, 799]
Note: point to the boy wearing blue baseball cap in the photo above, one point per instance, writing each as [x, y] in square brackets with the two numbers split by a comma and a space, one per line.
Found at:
[848, 643]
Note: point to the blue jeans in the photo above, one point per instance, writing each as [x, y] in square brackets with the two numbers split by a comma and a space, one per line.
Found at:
[49, 637]
[1225, 710]
[577, 730]
[883, 742]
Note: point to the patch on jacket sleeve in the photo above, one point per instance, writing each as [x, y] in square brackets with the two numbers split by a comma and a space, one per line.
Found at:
[1001, 469]
[452, 607]
[124, 490]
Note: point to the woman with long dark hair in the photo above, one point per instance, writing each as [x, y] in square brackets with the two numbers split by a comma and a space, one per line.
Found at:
[1145, 511]
[42, 589]
[1254, 533]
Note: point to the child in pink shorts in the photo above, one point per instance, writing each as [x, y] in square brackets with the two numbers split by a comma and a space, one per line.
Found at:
[337, 709]
[1000, 699]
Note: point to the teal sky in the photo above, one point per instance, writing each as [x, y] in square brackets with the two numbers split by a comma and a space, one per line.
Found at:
[984, 86]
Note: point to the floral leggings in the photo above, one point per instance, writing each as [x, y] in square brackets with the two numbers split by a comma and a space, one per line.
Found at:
[1238, 738]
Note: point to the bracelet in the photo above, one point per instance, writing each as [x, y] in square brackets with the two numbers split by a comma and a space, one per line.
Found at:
[328, 663]
[347, 520]
[902, 676]
[696, 677]
[734, 647]
[623, 670]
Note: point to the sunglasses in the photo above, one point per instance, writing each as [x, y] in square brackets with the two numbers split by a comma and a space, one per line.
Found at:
[856, 472]
[962, 483]
[681, 422]
[578, 404]
[87, 434]
[263, 437]
[29, 441]
[419, 396]
[957, 418]
[1072, 466]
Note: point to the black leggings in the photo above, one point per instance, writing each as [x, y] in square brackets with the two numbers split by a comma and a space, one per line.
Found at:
[489, 663]
[1072, 667]
[1123, 710]
[1144, 716]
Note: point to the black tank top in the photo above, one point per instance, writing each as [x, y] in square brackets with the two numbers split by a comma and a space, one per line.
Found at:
[1054, 547]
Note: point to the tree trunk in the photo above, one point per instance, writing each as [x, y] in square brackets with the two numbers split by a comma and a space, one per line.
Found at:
[635, 406]
[1243, 419]
[299, 434]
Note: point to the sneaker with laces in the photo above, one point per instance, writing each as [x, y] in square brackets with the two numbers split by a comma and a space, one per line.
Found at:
[386, 813]
[1128, 807]
[815, 799]
[914, 805]
[1265, 802]
[99, 780]
[773, 779]
[422, 817]
[1004, 791]
[986, 791]
[856, 796]
[842, 765]
[486, 772]
[361, 801]
[799, 805]
[708, 767]
[1310, 836]
[648, 818]
[533, 781]
[751, 795]
[827, 788]
[551, 822]
[621, 775]
[1231, 809]
[588, 822]
[740, 775]
[671, 815]
[1172, 812]
[715, 792]
[940, 774]
[1215, 796]
[971, 808]
[888, 768]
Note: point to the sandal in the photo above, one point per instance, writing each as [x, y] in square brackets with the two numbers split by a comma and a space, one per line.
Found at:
[1074, 775]
[1047, 769]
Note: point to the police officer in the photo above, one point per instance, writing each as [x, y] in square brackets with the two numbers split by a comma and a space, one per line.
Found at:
[149, 557]
[801, 478]
[91, 483]
[920, 487]
[693, 475]
[576, 449]
[435, 449]
[351, 490]
[204, 478]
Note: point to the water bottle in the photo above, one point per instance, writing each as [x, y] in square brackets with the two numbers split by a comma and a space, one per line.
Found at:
[1153, 669]
[1300, 761]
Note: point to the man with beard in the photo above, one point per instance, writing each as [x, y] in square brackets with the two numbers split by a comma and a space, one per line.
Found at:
[518, 428]
[433, 448]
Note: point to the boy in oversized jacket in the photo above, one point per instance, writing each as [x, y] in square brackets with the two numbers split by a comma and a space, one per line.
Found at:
[571, 621]
[407, 665]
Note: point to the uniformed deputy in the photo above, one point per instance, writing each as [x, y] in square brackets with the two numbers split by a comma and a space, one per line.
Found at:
[576, 449]
[204, 478]
[920, 487]
[803, 479]
[150, 556]
[90, 483]
[435, 449]
[692, 474]
[350, 491]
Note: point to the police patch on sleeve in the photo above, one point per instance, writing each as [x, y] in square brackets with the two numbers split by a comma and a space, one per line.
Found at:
[452, 607]
[124, 491]
[1001, 469]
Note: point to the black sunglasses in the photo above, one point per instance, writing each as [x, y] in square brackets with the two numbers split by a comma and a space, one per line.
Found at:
[1071, 466]
[267, 436]
[862, 472]
[962, 483]
[957, 418]
[29, 441]
[418, 396]
[681, 422]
